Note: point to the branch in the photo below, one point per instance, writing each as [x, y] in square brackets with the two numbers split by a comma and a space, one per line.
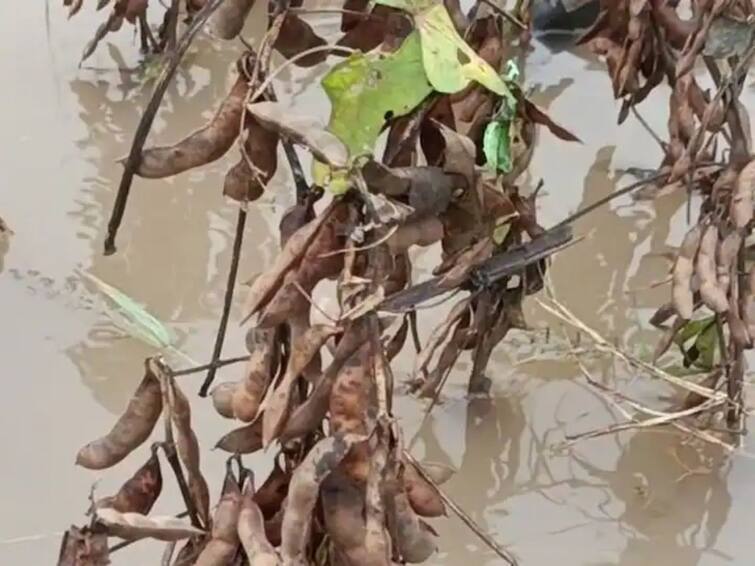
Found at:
[145, 124]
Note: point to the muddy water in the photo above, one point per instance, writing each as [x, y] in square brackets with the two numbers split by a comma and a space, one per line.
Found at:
[632, 499]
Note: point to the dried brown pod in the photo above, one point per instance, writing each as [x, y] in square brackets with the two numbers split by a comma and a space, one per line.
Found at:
[305, 345]
[343, 511]
[349, 400]
[134, 526]
[251, 531]
[415, 542]
[304, 489]
[246, 181]
[224, 541]
[140, 491]
[272, 493]
[248, 393]
[188, 449]
[308, 415]
[423, 497]
[705, 267]
[222, 397]
[242, 440]
[741, 200]
[131, 429]
[726, 256]
[205, 145]
[228, 20]
[681, 285]
[267, 284]
[83, 547]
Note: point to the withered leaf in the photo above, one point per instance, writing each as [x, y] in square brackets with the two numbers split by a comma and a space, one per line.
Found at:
[140, 491]
[133, 526]
[245, 181]
[82, 547]
[296, 36]
[539, 116]
[303, 130]
[243, 440]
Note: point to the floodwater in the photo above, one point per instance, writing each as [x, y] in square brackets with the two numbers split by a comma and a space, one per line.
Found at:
[629, 499]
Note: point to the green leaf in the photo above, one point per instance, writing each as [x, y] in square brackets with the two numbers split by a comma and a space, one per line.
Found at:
[496, 145]
[692, 329]
[366, 90]
[136, 320]
[706, 344]
[450, 63]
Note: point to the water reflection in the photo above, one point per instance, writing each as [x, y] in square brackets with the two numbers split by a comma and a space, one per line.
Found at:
[174, 244]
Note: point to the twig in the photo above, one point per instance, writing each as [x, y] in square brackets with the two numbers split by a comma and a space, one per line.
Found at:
[510, 17]
[145, 124]
[169, 445]
[230, 284]
[466, 519]
[210, 365]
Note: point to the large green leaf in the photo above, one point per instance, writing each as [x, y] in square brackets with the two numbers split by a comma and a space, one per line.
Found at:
[450, 63]
[367, 89]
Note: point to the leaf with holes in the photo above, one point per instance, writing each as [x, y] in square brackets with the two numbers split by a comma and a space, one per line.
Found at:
[366, 90]
[450, 63]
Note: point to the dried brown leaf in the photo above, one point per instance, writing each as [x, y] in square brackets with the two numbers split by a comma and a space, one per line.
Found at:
[303, 130]
[134, 526]
[140, 491]
[82, 547]
[245, 181]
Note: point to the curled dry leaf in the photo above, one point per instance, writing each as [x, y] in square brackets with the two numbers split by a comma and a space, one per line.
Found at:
[134, 526]
[246, 181]
[303, 349]
[222, 396]
[710, 292]
[304, 490]
[242, 440]
[741, 199]
[251, 531]
[224, 541]
[303, 130]
[207, 144]
[228, 20]
[421, 232]
[140, 491]
[295, 36]
[260, 368]
[132, 428]
[681, 284]
[188, 449]
[83, 547]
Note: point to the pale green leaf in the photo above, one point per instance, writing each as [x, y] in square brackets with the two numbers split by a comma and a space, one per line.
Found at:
[137, 321]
